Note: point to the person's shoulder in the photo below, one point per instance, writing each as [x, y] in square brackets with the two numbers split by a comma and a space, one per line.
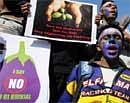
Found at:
[86, 68]
[13, 18]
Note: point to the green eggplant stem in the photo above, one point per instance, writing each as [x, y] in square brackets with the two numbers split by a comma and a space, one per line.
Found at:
[21, 55]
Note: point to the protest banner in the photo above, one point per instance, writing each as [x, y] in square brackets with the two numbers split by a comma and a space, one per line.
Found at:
[24, 74]
[72, 23]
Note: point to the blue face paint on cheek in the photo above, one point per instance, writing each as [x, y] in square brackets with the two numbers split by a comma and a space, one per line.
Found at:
[106, 12]
[111, 53]
[110, 41]
[105, 50]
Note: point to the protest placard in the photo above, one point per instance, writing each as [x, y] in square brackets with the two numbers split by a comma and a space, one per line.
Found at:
[24, 74]
[72, 23]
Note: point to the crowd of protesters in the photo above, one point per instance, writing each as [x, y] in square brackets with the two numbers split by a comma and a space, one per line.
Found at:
[93, 76]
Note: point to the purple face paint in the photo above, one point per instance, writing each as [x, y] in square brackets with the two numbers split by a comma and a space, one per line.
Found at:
[106, 12]
[109, 10]
[111, 51]
[110, 41]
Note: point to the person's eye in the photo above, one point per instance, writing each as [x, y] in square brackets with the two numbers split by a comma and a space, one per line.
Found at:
[117, 37]
[105, 37]
[109, 5]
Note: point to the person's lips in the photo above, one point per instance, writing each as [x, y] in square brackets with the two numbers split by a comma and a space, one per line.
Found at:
[112, 50]
[113, 12]
[112, 47]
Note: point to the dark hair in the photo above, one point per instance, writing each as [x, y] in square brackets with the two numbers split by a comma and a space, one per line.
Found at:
[14, 6]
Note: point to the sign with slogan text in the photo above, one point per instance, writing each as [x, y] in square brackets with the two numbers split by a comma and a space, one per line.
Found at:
[24, 70]
[62, 20]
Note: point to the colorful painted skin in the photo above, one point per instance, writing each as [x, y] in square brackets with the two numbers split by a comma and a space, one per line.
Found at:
[107, 15]
[106, 80]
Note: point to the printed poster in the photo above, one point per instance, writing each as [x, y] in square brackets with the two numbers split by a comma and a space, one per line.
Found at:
[72, 22]
[24, 72]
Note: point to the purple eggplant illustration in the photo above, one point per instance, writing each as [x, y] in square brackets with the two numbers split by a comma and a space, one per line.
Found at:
[19, 82]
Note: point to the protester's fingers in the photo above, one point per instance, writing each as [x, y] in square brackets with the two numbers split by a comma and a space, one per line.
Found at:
[98, 18]
[25, 8]
[78, 19]
[75, 8]
[26, 4]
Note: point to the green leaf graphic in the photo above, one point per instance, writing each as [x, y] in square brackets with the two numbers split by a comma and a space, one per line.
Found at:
[21, 55]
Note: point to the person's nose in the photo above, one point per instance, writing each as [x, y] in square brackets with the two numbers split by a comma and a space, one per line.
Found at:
[113, 7]
[112, 40]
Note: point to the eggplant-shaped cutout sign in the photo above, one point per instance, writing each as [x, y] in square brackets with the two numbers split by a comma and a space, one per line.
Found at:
[19, 82]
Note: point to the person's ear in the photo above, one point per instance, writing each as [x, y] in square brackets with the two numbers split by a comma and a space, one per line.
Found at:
[98, 47]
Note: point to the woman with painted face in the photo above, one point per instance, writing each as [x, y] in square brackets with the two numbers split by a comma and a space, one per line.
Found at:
[107, 14]
[104, 80]
[109, 43]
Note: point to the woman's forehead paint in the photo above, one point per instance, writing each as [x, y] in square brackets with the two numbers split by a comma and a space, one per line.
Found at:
[109, 31]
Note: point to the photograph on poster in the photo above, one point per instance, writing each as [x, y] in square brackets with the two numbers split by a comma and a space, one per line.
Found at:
[72, 21]
[23, 77]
